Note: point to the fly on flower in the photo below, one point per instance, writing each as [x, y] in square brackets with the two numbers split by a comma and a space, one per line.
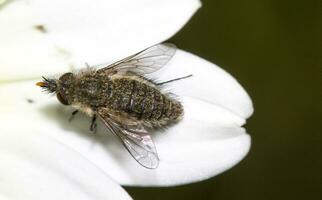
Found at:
[129, 104]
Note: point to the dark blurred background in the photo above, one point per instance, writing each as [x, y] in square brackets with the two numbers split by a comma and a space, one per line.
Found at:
[272, 47]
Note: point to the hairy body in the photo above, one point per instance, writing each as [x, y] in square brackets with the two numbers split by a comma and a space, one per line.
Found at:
[123, 96]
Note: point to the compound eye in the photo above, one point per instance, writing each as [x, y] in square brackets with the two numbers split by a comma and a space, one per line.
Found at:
[62, 98]
[66, 78]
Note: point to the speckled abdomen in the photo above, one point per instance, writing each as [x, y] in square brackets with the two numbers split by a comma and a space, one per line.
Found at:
[142, 100]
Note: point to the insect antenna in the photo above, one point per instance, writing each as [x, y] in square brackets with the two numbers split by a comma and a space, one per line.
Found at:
[45, 79]
[47, 84]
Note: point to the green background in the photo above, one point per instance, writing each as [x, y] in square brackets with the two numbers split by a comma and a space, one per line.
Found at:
[272, 49]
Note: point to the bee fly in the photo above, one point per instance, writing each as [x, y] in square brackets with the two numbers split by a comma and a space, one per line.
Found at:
[129, 104]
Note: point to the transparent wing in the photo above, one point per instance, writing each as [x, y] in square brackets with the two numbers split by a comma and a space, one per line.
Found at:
[144, 62]
[137, 141]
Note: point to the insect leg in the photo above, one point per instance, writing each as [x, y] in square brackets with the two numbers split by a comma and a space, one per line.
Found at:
[73, 114]
[93, 124]
[176, 79]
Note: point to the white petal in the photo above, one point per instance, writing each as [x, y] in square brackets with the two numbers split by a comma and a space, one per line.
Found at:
[209, 83]
[35, 166]
[76, 32]
[208, 141]
[2, 2]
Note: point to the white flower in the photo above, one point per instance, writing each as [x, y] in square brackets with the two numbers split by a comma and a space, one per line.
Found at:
[43, 156]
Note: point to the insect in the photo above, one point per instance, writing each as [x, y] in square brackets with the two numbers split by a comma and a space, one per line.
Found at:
[129, 104]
